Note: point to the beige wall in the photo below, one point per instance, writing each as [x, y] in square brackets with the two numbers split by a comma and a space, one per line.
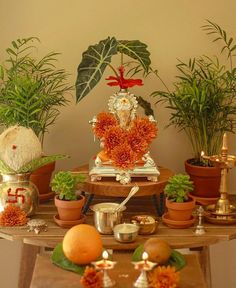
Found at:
[170, 28]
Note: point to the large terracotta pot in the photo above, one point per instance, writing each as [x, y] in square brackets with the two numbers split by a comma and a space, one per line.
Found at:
[206, 180]
[69, 210]
[42, 178]
[180, 211]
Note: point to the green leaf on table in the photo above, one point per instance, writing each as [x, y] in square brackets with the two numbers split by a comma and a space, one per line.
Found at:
[58, 258]
[176, 258]
[136, 50]
[94, 61]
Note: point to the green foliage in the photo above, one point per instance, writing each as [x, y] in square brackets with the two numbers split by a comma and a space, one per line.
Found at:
[178, 187]
[64, 184]
[203, 101]
[31, 90]
[97, 57]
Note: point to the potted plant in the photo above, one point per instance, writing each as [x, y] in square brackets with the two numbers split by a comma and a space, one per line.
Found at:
[69, 204]
[203, 106]
[178, 202]
[31, 93]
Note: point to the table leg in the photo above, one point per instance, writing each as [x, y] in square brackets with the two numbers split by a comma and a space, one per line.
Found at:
[87, 203]
[204, 259]
[159, 203]
[28, 257]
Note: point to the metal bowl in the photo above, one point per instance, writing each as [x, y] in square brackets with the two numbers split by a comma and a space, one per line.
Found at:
[126, 232]
[105, 217]
[147, 224]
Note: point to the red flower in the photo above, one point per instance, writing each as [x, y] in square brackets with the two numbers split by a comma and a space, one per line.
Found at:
[123, 156]
[122, 82]
[104, 121]
[91, 278]
[113, 137]
[145, 128]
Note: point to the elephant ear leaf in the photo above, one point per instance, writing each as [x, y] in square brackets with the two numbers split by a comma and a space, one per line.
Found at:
[136, 50]
[93, 64]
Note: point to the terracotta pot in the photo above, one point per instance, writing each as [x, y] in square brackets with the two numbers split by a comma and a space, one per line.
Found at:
[180, 211]
[206, 180]
[69, 210]
[41, 178]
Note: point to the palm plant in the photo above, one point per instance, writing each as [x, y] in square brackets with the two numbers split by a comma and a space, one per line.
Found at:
[203, 101]
[31, 90]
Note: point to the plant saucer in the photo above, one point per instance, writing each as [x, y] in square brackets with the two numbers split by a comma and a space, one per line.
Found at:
[68, 223]
[204, 200]
[177, 224]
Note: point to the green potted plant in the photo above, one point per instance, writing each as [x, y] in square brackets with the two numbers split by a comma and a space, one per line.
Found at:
[98, 56]
[203, 106]
[31, 93]
[178, 202]
[69, 204]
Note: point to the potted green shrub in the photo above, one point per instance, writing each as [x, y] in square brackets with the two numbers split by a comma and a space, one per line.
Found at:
[69, 204]
[203, 106]
[31, 93]
[178, 202]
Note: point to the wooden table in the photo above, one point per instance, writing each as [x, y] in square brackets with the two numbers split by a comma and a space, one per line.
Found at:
[48, 275]
[178, 238]
[110, 187]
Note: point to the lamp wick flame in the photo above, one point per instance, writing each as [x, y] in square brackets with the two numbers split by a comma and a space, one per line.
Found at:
[105, 255]
[145, 256]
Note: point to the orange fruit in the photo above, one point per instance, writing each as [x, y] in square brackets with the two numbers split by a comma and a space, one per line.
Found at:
[158, 250]
[82, 244]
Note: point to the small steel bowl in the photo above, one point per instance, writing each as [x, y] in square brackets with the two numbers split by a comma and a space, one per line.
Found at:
[147, 224]
[126, 232]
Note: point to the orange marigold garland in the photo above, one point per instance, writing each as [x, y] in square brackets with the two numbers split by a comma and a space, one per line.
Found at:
[163, 277]
[113, 137]
[123, 156]
[145, 128]
[13, 216]
[91, 278]
[104, 121]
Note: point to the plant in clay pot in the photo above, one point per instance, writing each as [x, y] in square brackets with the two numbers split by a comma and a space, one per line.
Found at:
[178, 202]
[203, 106]
[31, 92]
[69, 204]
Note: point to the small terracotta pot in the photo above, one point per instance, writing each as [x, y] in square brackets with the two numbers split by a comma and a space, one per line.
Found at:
[180, 211]
[69, 210]
[206, 180]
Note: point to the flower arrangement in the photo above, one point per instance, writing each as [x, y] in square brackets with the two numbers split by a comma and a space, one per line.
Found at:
[163, 277]
[124, 147]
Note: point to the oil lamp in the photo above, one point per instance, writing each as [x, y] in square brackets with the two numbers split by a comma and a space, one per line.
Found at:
[222, 212]
[144, 265]
[104, 265]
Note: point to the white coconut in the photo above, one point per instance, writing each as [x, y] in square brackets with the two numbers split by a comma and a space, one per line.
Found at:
[18, 146]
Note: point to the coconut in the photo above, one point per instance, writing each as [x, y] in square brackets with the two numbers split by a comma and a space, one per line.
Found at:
[18, 146]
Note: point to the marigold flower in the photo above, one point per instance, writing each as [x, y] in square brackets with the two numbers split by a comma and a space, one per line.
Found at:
[123, 156]
[136, 142]
[104, 121]
[163, 277]
[13, 216]
[145, 128]
[91, 278]
[113, 137]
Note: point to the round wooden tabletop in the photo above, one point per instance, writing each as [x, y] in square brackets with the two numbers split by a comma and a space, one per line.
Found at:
[110, 187]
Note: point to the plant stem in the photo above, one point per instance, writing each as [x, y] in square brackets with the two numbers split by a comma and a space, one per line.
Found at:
[113, 69]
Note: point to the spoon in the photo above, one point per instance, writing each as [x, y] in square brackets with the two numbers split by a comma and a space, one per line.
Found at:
[132, 192]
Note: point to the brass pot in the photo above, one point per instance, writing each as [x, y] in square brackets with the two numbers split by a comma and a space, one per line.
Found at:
[17, 189]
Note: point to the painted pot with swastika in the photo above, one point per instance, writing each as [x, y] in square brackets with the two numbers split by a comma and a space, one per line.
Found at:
[16, 189]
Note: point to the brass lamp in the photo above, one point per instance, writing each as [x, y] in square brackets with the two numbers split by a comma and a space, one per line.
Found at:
[223, 212]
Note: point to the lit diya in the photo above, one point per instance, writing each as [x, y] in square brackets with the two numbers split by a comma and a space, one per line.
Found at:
[104, 265]
[144, 265]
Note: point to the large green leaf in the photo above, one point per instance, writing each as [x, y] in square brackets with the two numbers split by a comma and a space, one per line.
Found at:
[58, 258]
[94, 61]
[176, 258]
[136, 50]
[39, 162]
